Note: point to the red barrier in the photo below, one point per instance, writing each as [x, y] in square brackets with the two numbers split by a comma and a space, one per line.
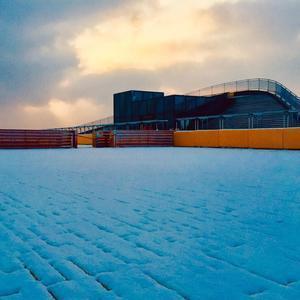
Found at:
[143, 138]
[37, 139]
[103, 139]
[133, 138]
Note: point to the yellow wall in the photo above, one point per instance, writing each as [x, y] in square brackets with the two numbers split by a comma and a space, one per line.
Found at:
[207, 138]
[266, 138]
[234, 138]
[85, 139]
[285, 138]
[185, 138]
[291, 138]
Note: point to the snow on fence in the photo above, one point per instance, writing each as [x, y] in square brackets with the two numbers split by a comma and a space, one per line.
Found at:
[37, 139]
[133, 138]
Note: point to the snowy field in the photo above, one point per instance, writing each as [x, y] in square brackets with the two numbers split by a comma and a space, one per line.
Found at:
[165, 223]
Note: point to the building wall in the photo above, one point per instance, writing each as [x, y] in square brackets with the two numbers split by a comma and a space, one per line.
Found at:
[134, 106]
[131, 106]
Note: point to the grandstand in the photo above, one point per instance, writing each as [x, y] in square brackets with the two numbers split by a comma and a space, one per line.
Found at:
[251, 103]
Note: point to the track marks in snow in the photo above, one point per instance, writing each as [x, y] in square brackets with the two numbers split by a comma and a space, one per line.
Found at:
[87, 230]
[165, 285]
[10, 293]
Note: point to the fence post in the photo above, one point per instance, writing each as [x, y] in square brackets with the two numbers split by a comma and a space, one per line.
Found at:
[286, 120]
[74, 139]
[221, 122]
[250, 121]
[115, 133]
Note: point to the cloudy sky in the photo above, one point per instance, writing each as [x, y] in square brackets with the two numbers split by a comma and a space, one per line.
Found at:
[61, 60]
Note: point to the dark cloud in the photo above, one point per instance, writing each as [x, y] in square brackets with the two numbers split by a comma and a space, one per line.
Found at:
[34, 49]
[37, 11]
[267, 32]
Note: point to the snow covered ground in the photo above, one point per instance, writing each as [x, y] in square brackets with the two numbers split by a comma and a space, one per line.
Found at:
[165, 223]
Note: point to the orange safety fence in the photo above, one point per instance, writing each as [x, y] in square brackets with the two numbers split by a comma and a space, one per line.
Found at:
[284, 138]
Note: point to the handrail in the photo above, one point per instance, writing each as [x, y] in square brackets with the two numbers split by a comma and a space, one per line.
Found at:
[234, 115]
[268, 119]
[106, 120]
[95, 126]
[255, 84]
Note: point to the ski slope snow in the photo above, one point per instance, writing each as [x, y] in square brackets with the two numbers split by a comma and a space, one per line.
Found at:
[156, 223]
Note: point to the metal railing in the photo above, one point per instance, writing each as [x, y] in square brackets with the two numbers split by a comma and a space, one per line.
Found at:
[255, 84]
[150, 124]
[141, 125]
[274, 119]
[106, 120]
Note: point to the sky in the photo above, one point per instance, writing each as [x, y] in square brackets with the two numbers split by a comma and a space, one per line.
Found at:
[61, 60]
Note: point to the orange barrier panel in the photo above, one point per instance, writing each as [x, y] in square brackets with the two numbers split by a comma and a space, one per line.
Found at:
[207, 138]
[185, 138]
[291, 138]
[85, 139]
[266, 138]
[284, 138]
[234, 138]
[200, 138]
